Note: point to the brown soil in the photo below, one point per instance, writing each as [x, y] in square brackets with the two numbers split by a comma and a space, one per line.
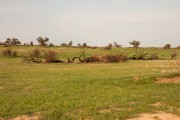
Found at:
[157, 116]
[169, 80]
[26, 117]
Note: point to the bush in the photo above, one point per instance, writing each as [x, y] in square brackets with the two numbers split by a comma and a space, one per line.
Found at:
[29, 59]
[173, 55]
[93, 58]
[9, 53]
[50, 56]
[153, 57]
[114, 58]
[109, 47]
[35, 53]
[33, 56]
[139, 56]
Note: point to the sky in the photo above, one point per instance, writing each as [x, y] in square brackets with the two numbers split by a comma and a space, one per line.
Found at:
[96, 22]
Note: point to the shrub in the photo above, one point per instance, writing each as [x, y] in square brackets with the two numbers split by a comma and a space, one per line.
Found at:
[139, 56]
[50, 56]
[35, 53]
[29, 58]
[114, 58]
[33, 56]
[93, 58]
[153, 57]
[109, 47]
[173, 55]
[9, 53]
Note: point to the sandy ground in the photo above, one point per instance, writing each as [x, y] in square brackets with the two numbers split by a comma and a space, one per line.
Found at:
[169, 80]
[157, 116]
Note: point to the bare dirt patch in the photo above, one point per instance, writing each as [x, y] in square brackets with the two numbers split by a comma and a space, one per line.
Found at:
[26, 117]
[169, 80]
[157, 116]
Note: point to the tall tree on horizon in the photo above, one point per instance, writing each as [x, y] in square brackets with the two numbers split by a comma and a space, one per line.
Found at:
[42, 41]
[135, 43]
[13, 41]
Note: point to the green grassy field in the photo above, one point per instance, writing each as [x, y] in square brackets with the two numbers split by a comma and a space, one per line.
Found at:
[97, 91]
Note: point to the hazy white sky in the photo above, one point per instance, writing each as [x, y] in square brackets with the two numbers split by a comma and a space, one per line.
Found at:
[96, 22]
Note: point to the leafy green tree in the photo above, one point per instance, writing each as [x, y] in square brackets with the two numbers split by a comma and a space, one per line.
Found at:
[135, 43]
[42, 41]
[167, 46]
[13, 41]
[84, 45]
[31, 43]
[70, 43]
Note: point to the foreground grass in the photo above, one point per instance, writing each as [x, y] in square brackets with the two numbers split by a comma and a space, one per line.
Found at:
[87, 91]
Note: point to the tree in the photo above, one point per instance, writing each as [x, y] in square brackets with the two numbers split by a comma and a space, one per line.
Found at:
[135, 43]
[15, 41]
[1, 43]
[51, 44]
[64, 45]
[8, 41]
[117, 45]
[84, 45]
[31, 43]
[167, 46]
[42, 41]
[79, 45]
[110, 45]
[70, 43]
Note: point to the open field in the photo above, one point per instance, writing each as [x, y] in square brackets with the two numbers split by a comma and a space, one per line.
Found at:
[97, 91]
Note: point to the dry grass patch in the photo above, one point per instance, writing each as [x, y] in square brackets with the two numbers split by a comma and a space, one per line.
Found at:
[157, 104]
[169, 80]
[115, 87]
[75, 114]
[109, 109]
[157, 116]
[24, 117]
